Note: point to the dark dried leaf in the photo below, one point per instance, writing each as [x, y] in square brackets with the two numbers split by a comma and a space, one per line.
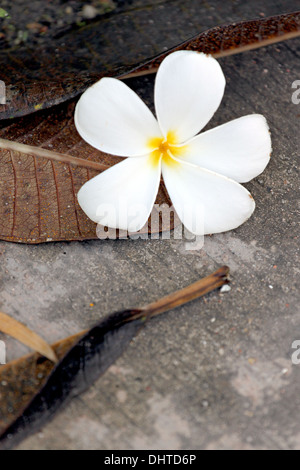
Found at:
[43, 77]
[33, 389]
[17, 330]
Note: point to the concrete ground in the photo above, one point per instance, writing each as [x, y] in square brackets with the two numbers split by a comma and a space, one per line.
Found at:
[217, 373]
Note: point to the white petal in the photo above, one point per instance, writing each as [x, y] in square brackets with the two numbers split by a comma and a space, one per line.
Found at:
[112, 118]
[240, 149]
[122, 196]
[205, 201]
[188, 90]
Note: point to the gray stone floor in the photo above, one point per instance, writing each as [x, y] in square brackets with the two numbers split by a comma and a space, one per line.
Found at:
[217, 373]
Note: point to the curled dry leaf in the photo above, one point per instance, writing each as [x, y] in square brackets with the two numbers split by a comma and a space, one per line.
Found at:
[35, 388]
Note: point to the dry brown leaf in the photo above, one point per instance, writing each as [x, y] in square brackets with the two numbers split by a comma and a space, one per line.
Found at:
[38, 188]
[39, 78]
[17, 330]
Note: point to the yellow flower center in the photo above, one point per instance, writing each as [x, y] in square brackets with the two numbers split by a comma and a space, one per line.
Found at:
[165, 149]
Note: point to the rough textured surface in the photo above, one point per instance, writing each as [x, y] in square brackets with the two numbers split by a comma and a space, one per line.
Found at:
[213, 374]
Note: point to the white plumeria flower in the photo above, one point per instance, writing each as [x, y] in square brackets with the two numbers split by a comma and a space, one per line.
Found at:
[201, 172]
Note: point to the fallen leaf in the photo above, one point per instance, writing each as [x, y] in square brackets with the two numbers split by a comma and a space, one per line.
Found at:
[17, 330]
[38, 188]
[42, 77]
[33, 389]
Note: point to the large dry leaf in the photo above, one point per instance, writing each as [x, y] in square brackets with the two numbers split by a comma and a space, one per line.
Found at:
[40, 78]
[33, 389]
[38, 196]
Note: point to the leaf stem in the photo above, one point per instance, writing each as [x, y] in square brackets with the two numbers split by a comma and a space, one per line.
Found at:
[183, 296]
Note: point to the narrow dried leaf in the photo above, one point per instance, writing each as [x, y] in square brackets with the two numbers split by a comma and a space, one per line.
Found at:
[236, 38]
[33, 389]
[17, 330]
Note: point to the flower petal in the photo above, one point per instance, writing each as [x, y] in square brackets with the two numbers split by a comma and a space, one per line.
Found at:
[188, 90]
[112, 118]
[122, 196]
[240, 149]
[205, 201]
